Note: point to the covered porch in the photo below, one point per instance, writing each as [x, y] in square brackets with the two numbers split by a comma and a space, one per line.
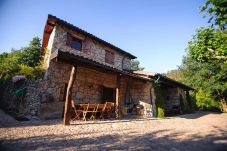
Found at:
[92, 82]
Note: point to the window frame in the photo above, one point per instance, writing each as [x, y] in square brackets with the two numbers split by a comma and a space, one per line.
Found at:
[109, 57]
[69, 40]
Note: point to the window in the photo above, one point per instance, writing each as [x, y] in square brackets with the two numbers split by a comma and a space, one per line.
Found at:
[74, 42]
[109, 57]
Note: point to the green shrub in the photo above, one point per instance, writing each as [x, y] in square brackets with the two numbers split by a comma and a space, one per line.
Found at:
[31, 72]
[204, 101]
[161, 112]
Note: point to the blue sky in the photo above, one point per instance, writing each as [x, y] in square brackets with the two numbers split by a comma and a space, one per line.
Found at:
[155, 31]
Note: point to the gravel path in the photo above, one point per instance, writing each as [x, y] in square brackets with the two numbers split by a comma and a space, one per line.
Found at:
[197, 132]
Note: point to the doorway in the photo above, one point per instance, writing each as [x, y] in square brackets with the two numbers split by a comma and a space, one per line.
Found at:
[108, 94]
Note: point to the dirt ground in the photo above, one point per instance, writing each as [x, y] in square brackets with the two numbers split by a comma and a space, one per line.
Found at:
[200, 131]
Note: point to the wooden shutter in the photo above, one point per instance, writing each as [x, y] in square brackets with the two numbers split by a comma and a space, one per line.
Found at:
[69, 39]
[109, 57]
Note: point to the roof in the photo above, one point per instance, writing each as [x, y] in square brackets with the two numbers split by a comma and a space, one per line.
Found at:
[144, 73]
[70, 58]
[53, 20]
[162, 78]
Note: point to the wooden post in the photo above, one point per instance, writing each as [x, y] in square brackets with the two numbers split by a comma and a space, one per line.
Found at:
[153, 98]
[68, 104]
[118, 103]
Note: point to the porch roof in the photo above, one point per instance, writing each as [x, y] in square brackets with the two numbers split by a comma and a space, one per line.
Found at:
[167, 80]
[163, 79]
[70, 58]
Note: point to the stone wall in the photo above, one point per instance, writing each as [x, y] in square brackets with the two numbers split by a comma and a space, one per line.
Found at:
[138, 91]
[172, 98]
[90, 48]
[87, 87]
[27, 106]
[89, 84]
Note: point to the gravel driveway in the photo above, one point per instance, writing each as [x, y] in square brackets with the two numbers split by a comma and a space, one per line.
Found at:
[201, 131]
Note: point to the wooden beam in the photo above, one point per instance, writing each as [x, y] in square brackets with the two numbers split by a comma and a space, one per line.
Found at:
[68, 105]
[118, 102]
[50, 24]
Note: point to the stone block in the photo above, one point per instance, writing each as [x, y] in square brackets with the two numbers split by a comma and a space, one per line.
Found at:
[53, 110]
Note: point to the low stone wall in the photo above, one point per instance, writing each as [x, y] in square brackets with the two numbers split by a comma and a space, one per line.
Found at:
[27, 105]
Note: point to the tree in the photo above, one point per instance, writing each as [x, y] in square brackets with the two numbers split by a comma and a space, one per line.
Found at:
[135, 64]
[205, 70]
[31, 54]
[8, 64]
[210, 77]
[217, 11]
[174, 74]
[25, 61]
[205, 65]
[208, 44]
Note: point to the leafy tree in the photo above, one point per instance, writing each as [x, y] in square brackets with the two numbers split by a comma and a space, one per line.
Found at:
[24, 61]
[8, 65]
[174, 74]
[31, 54]
[209, 77]
[217, 11]
[205, 65]
[208, 44]
[135, 64]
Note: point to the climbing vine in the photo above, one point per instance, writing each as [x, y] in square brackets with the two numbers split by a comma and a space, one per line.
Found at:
[160, 110]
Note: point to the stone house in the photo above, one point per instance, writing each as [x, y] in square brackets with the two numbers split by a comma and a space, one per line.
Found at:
[103, 73]
[102, 68]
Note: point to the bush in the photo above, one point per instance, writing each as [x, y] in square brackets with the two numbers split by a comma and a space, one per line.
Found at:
[204, 101]
[31, 72]
[161, 112]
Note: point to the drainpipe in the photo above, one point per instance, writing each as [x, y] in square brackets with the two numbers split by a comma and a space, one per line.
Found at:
[153, 96]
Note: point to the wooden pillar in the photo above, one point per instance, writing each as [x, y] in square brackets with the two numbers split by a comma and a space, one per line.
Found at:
[153, 102]
[68, 105]
[118, 103]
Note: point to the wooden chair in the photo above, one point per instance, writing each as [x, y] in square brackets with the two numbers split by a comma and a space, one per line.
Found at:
[109, 106]
[93, 109]
[89, 109]
[77, 111]
[102, 111]
[85, 110]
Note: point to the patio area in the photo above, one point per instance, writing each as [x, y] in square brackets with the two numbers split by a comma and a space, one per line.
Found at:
[198, 131]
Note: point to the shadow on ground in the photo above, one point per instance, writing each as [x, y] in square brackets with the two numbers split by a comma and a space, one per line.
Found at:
[196, 115]
[149, 141]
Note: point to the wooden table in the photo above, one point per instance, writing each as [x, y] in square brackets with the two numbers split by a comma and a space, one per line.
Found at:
[84, 109]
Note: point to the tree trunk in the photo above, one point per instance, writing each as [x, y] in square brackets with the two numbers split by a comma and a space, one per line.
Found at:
[68, 105]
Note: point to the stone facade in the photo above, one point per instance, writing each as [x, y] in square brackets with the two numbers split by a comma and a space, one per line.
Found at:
[89, 83]
[172, 97]
[90, 48]
[45, 97]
